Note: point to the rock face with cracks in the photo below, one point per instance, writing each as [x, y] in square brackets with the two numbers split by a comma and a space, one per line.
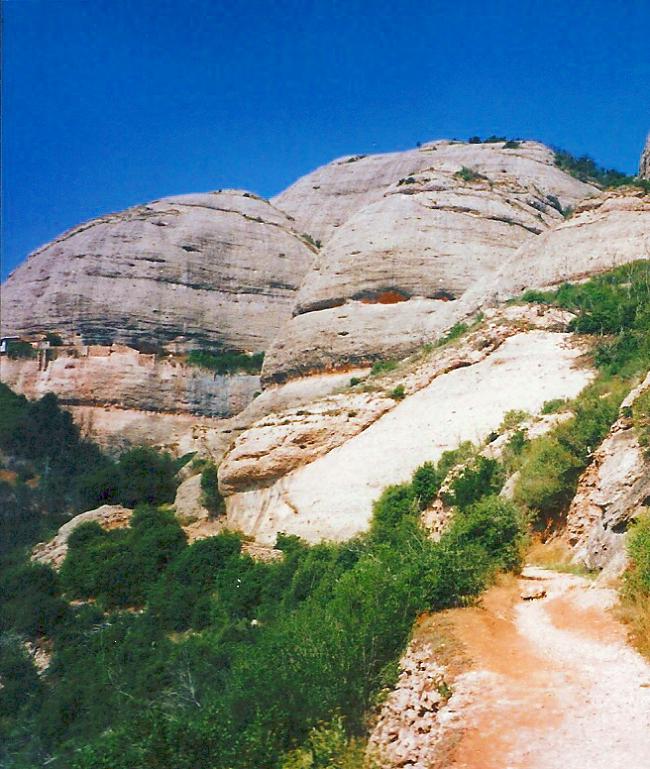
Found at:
[612, 491]
[405, 257]
[331, 497]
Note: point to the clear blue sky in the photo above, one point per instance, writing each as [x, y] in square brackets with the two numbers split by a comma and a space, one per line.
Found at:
[107, 103]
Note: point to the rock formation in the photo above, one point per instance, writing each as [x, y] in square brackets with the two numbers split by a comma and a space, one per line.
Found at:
[611, 493]
[603, 232]
[120, 376]
[318, 479]
[219, 268]
[644, 166]
[403, 257]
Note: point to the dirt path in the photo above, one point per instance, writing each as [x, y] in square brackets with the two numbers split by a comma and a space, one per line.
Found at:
[552, 682]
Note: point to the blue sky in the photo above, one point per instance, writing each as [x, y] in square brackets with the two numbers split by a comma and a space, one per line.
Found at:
[107, 103]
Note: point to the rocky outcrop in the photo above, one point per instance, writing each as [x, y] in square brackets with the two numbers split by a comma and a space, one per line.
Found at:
[103, 376]
[408, 733]
[109, 517]
[323, 200]
[602, 233]
[644, 165]
[396, 272]
[612, 491]
[219, 268]
[330, 495]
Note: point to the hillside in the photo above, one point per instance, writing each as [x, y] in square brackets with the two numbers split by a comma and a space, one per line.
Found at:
[340, 480]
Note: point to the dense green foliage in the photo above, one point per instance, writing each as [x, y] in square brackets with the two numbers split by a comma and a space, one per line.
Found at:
[16, 348]
[210, 495]
[614, 308]
[587, 170]
[118, 567]
[276, 649]
[227, 362]
[638, 577]
[54, 473]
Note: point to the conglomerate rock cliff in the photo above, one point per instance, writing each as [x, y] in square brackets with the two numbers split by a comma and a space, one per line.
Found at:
[220, 268]
[396, 270]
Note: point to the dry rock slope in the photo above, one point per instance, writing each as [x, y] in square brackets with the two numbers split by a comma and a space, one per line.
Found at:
[331, 497]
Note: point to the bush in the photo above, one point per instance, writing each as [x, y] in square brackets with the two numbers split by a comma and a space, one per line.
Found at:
[587, 170]
[383, 367]
[227, 362]
[638, 547]
[481, 478]
[31, 602]
[398, 393]
[118, 567]
[16, 349]
[469, 175]
[210, 495]
[426, 484]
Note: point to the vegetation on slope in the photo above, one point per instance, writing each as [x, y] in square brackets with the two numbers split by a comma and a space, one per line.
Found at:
[587, 170]
[229, 662]
[49, 472]
[615, 309]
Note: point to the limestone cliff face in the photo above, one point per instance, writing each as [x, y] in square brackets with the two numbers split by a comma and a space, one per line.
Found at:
[315, 471]
[399, 269]
[644, 166]
[220, 267]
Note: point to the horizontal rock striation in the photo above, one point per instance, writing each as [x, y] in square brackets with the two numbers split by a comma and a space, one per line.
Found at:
[121, 376]
[323, 200]
[401, 269]
[603, 232]
[219, 268]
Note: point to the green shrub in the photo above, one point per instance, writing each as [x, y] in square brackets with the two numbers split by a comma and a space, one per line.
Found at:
[227, 362]
[16, 349]
[587, 170]
[638, 547]
[31, 602]
[117, 567]
[553, 406]
[180, 598]
[398, 393]
[455, 332]
[55, 340]
[483, 477]
[210, 495]
[469, 175]
[383, 367]
[426, 484]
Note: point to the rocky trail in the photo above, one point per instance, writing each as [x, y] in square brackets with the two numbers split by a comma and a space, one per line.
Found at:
[551, 681]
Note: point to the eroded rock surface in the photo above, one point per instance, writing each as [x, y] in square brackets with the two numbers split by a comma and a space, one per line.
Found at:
[612, 491]
[603, 232]
[407, 731]
[399, 268]
[331, 497]
[219, 267]
[98, 375]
